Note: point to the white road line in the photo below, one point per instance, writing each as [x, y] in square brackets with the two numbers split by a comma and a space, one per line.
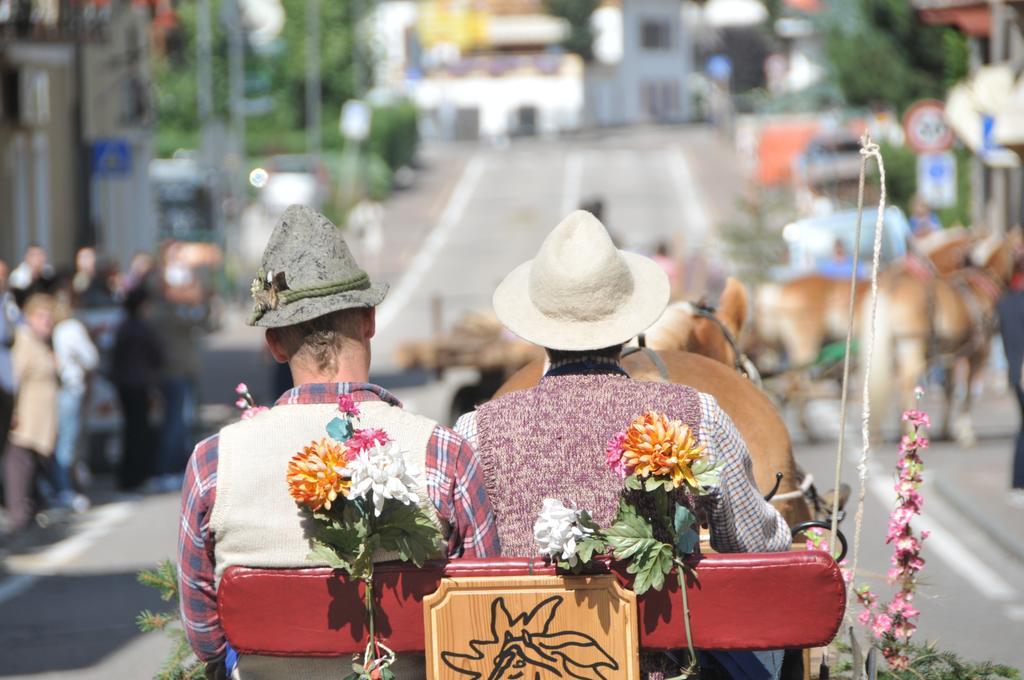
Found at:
[572, 182]
[946, 545]
[400, 295]
[693, 217]
[48, 561]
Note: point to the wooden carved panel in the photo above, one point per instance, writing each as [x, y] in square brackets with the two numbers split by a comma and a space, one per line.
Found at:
[531, 628]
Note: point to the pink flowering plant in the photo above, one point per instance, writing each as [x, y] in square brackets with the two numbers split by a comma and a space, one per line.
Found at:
[893, 625]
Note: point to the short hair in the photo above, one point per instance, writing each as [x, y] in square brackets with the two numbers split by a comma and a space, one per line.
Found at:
[36, 301]
[561, 355]
[134, 300]
[319, 340]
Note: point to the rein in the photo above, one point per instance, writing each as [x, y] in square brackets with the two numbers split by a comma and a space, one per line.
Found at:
[741, 362]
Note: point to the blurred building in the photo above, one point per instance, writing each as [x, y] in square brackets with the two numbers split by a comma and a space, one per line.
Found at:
[495, 68]
[987, 110]
[74, 127]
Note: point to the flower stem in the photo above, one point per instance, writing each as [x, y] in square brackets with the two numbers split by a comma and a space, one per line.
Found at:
[691, 670]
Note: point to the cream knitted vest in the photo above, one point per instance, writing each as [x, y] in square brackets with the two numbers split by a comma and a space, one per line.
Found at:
[256, 523]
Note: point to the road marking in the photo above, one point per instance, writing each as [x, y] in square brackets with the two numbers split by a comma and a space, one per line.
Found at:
[572, 182]
[695, 223]
[400, 295]
[48, 561]
[946, 545]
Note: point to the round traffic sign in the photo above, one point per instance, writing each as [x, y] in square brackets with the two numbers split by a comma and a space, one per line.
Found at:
[925, 126]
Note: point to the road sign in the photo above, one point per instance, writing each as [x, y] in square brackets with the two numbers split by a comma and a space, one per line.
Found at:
[936, 179]
[355, 120]
[925, 126]
[111, 157]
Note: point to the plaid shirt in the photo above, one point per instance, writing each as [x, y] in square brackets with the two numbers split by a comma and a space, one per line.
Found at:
[454, 483]
[741, 520]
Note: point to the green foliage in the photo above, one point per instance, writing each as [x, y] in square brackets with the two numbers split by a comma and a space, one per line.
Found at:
[394, 134]
[631, 539]
[753, 242]
[927, 663]
[867, 37]
[180, 664]
[577, 13]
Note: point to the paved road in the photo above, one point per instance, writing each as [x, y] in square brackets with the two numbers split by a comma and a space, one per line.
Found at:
[67, 612]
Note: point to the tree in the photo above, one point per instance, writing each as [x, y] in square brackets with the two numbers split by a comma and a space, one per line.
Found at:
[881, 52]
[577, 13]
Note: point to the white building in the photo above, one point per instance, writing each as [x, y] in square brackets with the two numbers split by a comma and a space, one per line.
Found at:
[496, 69]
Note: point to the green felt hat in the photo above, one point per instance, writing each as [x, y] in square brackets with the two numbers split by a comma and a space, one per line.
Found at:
[308, 271]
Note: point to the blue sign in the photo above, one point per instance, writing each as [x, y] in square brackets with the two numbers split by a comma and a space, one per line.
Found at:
[719, 67]
[111, 157]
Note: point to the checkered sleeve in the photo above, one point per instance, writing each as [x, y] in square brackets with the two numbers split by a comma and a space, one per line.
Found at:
[198, 593]
[456, 485]
[741, 520]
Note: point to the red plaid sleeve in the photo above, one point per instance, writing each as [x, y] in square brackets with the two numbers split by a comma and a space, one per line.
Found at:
[198, 593]
[455, 484]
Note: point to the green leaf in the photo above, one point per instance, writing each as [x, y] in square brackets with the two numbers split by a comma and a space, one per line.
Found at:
[687, 537]
[652, 569]
[340, 429]
[633, 483]
[322, 552]
[407, 530]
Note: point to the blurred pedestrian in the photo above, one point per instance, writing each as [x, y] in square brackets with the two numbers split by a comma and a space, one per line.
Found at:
[7, 323]
[179, 328]
[77, 358]
[34, 433]
[923, 220]
[1011, 323]
[34, 268]
[85, 270]
[135, 370]
[140, 273]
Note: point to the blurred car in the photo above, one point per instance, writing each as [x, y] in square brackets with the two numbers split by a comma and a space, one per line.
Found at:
[294, 178]
[811, 242]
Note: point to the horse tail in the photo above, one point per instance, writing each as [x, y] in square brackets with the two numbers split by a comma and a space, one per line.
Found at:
[881, 373]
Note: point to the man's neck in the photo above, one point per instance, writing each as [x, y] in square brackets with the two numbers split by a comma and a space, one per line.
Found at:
[353, 370]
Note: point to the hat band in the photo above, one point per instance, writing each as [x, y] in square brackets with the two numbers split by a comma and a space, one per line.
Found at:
[290, 295]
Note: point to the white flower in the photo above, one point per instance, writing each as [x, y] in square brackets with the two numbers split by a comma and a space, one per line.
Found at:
[557, 531]
[381, 472]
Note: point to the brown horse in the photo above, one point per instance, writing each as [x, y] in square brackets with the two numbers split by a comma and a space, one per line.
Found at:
[922, 320]
[754, 414]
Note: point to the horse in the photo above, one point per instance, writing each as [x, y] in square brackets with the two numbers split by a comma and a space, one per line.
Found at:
[799, 316]
[753, 413]
[922, 319]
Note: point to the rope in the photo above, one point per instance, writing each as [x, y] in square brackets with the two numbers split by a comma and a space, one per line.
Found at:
[868, 150]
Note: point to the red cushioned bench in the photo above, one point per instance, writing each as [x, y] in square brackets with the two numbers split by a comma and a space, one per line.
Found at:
[739, 602]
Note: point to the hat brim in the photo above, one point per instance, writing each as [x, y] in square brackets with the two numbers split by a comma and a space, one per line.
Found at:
[310, 308]
[516, 311]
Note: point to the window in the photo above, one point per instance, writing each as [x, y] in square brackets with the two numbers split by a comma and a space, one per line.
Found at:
[655, 34]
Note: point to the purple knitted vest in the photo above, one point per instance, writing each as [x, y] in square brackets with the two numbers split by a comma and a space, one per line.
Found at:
[549, 442]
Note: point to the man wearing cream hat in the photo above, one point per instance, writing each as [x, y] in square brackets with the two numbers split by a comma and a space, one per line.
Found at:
[581, 299]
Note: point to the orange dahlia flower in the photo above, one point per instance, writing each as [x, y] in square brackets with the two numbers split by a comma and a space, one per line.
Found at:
[316, 475]
[659, 447]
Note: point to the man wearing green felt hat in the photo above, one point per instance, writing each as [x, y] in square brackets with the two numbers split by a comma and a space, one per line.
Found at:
[318, 308]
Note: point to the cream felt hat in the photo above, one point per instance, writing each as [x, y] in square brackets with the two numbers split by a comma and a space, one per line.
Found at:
[581, 292]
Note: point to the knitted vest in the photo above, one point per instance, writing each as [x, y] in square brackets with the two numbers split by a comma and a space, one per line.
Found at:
[256, 523]
[549, 442]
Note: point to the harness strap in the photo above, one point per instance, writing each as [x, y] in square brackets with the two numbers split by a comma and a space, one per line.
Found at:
[653, 357]
[741, 362]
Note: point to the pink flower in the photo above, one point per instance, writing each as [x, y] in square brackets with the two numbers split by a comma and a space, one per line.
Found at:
[347, 405]
[241, 388]
[925, 534]
[918, 392]
[242, 403]
[896, 661]
[253, 412]
[917, 418]
[864, 617]
[881, 625]
[361, 440]
[613, 455]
